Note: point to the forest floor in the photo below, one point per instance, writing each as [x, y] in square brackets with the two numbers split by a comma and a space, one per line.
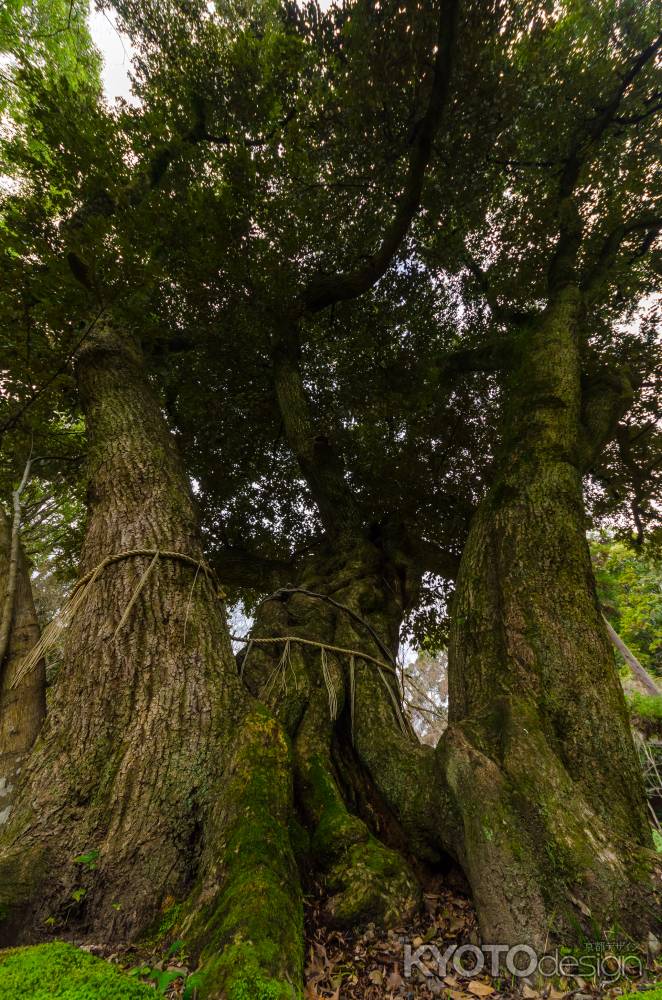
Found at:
[370, 964]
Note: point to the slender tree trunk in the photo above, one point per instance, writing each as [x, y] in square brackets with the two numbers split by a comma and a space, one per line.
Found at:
[22, 703]
[639, 673]
[159, 794]
[538, 752]
[366, 789]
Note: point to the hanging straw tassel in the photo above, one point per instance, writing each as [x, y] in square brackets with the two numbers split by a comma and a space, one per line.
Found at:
[136, 593]
[352, 694]
[280, 668]
[52, 631]
[190, 599]
[331, 691]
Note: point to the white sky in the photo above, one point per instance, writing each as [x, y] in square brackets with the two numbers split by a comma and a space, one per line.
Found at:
[116, 53]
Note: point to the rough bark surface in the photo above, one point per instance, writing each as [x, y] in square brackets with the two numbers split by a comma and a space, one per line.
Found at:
[22, 704]
[366, 789]
[539, 753]
[145, 763]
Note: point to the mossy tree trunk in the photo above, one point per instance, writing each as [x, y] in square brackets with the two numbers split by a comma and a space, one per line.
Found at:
[22, 698]
[155, 768]
[366, 789]
[538, 753]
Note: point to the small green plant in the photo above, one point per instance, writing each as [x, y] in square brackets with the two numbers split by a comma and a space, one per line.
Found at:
[162, 979]
[657, 840]
[192, 986]
[78, 894]
[654, 994]
[88, 859]
[140, 970]
[176, 948]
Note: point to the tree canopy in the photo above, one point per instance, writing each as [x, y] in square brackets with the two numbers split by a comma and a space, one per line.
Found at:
[270, 173]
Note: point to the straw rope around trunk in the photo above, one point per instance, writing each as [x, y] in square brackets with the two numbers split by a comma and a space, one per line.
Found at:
[82, 587]
[326, 647]
[252, 641]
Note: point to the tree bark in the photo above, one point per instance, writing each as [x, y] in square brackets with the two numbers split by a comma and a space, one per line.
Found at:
[366, 789]
[539, 753]
[22, 704]
[158, 798]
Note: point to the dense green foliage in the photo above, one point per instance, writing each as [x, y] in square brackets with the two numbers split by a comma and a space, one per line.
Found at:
[629, 581]
[646, 707]
[59, 971]
[266, 157]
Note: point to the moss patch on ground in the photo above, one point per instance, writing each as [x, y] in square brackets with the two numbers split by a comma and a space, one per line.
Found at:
[58, 971]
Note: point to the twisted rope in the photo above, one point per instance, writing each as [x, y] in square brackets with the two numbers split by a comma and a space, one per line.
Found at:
[252, 641]
[80, 591]
[324, 647]
[130, 553]
[342, 607]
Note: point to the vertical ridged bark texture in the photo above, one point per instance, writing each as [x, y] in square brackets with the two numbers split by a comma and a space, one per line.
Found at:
[539, 752]
[143, 767]
[22, 707]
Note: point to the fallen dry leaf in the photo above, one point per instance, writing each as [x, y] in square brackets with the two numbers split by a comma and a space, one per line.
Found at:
[480, 989]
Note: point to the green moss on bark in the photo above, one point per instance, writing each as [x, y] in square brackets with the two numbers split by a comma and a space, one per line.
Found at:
[366, 879]
[250, 933]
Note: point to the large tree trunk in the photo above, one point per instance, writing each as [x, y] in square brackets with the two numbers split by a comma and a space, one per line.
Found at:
[22, 698]
[539, 753]
[366, 790]
[155, 768]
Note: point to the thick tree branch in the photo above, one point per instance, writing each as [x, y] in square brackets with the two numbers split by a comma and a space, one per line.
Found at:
[325, 290]
[315, 454]
[564, 258]
[606, 396]
[595, 276]
[501, 314]
[240, 568]
[433, 559]
[494, 354]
